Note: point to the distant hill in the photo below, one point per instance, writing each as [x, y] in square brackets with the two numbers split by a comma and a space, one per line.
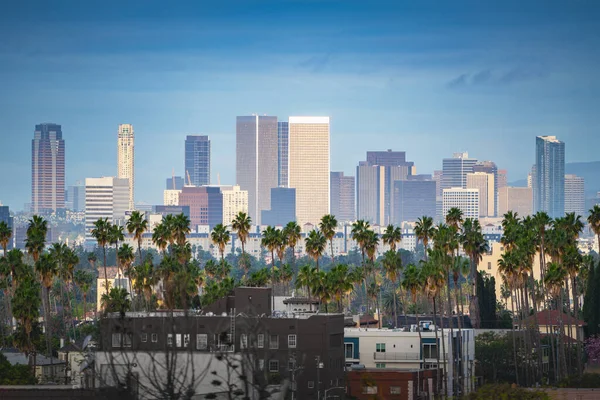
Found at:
[519, 183]
[590, 172]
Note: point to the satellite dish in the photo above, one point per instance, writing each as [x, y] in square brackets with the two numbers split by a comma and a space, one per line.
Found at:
[86, 341]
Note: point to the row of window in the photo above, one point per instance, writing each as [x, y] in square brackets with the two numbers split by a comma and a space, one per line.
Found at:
[373, 390]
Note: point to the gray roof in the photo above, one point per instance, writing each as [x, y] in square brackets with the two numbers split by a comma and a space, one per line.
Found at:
[16, 357]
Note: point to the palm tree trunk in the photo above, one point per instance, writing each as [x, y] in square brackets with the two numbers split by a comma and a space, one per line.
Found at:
[536, 332]
[577, 333]
[474, 301]
[459, 370]
[451, 323]
[437, 344]
[48, 330]
[551, 336]
[512, 306]
[84, 305]
[332, 256]
[395, 306]
[444, 354]
[561, 342]
[569, 359]
[105, 274]
[140, 250]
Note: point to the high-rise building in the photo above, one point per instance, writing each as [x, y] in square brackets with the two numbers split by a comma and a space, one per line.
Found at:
[413, 199]
[206, 205]
[342, 197]
[467, 200]
[235, 201]
[308, 166]
[257, 148]
[106, 197]
[283, 207]
[174, 183]
[485, 183]
[197, 160]
[282, 153]
[549, 176]
[171, 197]
[502, 178]
[6, 218]
[489, 167]
[47, 169]
[455, 170]
[515, 199]
[75, 198]
[575, 195]
[125, 158]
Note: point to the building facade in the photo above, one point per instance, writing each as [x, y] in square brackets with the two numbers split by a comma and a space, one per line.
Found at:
[467, 200]
[342, 197]
[205, 203]
[282, 153]
[106, 197]
[455, 170]
[171, 197]
[549, 176]
[47, 169]
[575, 195]
[8, 220]
[308, 169]
[75, 198]
[489, 167]
[235, 201]
[516, 199]
[197, 160]
[126, 158]
[257, 147]
[414, 199]
[485, 183]
[283, 207]
[174, 183]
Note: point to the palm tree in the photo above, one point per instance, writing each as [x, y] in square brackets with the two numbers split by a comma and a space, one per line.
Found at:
[181, 228]
[413, 284]
[454, 217]
[26, 305]
[508, 268]
[159, 237]
[126, 257]
[83, 279]
[475, 246]
[269, 241]
[327, 227]
[424, 231]
[116, 235]
[5, 234]
[281, 242]
[47, 269]
[241, 226]
[554, 280]
[315, 244]
[36, 237]
[293, 234]
[145, 279]
[594, 221]
[392, 266]
[392, 236]
[116, 301]
[305, 279]
[359, 229]
[340, 283]
[220, 236]
[137, 225]
[101, 233]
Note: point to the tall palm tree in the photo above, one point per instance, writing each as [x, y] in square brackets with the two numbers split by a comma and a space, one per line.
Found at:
[26, 306]
[554, 280]
[358, 232]
[47, 269]
[126, 257]
[281, 242]
[241, 226]
[475, 246]
[115, 235]
[392, 266]
[137, 225]
[594, 221]
[181, 228]
[413, 284]
[116, 301]
[220, 236]
[315, 244]
[305, 279]
[5, 235]
[508, 268]
[160, 236]
[36, 237]
[100, 232]
[392, 236]
[454, 217]
[327, 227]
[83, 279]
[293, 234]
[269, 242]
[424, 231]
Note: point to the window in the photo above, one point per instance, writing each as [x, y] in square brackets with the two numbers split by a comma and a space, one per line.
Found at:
[349, 350]
[169, 339]
[292, 341]
[369, 389]
[261, 341]
[261, 365]
[380, 365]
[311, 384]
[273, 342]
[154, 337]
[380, 347]
[144, 337]
[430, 351]
[178, 339]
[431, 366]
[186, 340]
[127, 339]
[243, 341]
[489, 265]
[394, 389]
[116, 340]
[291, 364]
[201, 341]
[273, 365]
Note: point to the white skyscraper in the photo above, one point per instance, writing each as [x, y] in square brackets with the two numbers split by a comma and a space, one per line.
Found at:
[235, 201]
[125, 158]
[106, 197]
[484, 182]
[575, 195]
[467, 200]
[308, 166]
[171, 197]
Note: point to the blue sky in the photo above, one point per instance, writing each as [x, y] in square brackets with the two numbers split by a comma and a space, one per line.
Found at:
[427, 77]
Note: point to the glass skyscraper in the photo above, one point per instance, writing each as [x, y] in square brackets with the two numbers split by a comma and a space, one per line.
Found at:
[197, 160]
[549, 176]
[282, 152]
[47, 169]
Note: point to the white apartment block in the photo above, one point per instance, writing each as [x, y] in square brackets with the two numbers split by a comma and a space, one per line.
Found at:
[467, 200]
[235, 201]
[125, 158]
[106, 197]
[484, 182]
[171, 197]
[575, 195]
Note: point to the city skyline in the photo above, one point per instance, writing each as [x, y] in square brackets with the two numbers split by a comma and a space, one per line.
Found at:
[428, 81]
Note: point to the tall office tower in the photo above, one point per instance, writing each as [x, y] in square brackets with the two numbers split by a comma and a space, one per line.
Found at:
[283, 207]
[502, 178]
[76, 197]
[575, 195]
[47, 169]
[125, 158]
[171, 197]
[282, 153]
[256, 167]
[489, 167]
[413, 199]
[106, 197]
[370, 193]
[455, 170]
[308, 167]
[197, 160]
[205, 203]
[235, 201]
[174, 183]
[516, 199]
[6, 218]
[342, 197]
[437, 177]
[549, 176]
[467, 200]
[485, 183]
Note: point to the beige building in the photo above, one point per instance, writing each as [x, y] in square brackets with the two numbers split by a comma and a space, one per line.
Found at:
[106, 197]
[575, 195]
[516, 199]
[125, 158]
[171, 197]
[467, 200]
[116, 278]
[484, 182]
[235, 201]
[308, 166]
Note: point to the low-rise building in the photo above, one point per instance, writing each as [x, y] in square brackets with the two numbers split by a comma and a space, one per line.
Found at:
[46, 369]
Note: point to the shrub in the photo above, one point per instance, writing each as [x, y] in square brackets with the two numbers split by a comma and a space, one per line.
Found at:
[506, 392]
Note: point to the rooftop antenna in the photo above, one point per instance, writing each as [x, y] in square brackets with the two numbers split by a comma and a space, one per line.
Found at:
[188, 176]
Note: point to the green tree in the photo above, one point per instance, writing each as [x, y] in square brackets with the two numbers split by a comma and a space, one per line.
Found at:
[327, 227]
[424, 231]
[26, 306]
[47, 269]
[475, 246]
[15, 374]
[594, 221]
[100, 232]
[116, 301]
[5, 235]
[293, 235]
[241, 226]
[392, 267]
[84, 280]
[220, 236]
[137, 225]
[315, 244]
[392, 236]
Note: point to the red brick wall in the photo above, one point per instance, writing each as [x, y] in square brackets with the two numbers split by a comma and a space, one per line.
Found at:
[383, 380]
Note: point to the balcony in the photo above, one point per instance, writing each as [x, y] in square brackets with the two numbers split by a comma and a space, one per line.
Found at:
[395, 356]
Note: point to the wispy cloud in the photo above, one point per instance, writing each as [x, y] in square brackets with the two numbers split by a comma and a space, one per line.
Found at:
[487, 77]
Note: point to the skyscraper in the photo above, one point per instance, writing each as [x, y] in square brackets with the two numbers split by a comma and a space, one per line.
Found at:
[467, 200]
[76, 197]
[174, 183]
[549, 176]
[342, 197]
[197, 160]
[283, 207]
[414, 199]
[575, 195]
[256, 167]
[308, 169]
[205, 203]
[47, 169]
[484, 182]
[489, 167]
[282, 152]
[125, 158]
[455, 170]
[106, 197]
[516, 199]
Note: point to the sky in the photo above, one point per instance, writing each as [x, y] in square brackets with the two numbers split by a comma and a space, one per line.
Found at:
[430, 78]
